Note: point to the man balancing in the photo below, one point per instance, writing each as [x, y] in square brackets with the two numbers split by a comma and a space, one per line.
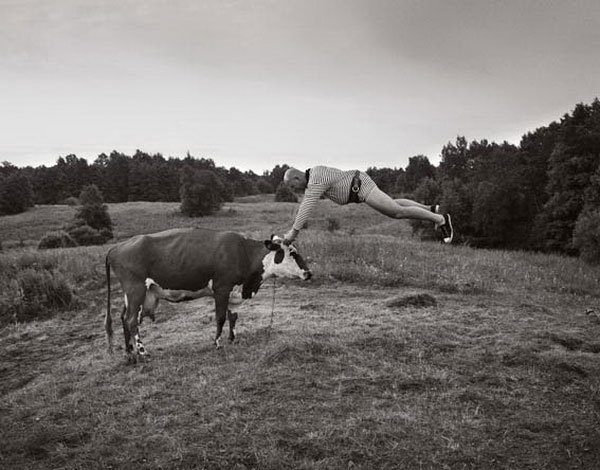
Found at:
[344, 187]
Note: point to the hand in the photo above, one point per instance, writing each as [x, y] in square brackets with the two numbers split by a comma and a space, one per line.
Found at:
[289, 237]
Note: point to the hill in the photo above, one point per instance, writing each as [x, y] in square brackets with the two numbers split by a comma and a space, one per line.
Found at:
[399, 354]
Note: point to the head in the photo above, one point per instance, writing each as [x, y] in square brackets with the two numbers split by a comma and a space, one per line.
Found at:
[295, 179]
[284, 261]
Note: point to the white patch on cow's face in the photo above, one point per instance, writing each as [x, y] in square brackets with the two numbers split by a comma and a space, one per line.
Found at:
[287, 267]
[126, 302]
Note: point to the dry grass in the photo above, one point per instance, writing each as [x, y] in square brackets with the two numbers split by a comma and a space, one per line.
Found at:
[501, 371]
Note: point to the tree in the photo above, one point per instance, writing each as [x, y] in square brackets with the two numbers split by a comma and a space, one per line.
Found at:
[16, 194]
[116, 177]
[586, 236]
[285, 194]
[418, 168]
[385, 178]
[457, 200]
[276, 175]
[75, 174]
[456, 162]
[200, 192]
[572, 167]
[92, 224]
[430, 192]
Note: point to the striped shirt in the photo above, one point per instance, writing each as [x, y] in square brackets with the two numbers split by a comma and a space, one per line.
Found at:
[333, 184]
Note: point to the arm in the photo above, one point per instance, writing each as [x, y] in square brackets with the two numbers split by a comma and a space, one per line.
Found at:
[312, 194]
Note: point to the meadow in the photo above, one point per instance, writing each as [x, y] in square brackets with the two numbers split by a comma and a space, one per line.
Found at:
[400, 353]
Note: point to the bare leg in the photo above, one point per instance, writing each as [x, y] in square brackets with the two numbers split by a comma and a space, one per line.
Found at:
[383, 203]
[411, 203]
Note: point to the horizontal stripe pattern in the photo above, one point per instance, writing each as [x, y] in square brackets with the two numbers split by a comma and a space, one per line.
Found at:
[333, 184]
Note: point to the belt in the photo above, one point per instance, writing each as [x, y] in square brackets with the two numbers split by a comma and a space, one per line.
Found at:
[355, 188]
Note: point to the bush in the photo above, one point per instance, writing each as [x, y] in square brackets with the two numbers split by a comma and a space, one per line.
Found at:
[60, 239]
[586, 236]
[92, 224]
[285, 194]
[428, 192]
[71, 201]
[40, 294]
[95, 216]
[201, 192]
[85, 235]
[264, 187]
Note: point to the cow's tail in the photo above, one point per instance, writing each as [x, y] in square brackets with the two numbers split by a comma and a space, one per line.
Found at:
[108, 318]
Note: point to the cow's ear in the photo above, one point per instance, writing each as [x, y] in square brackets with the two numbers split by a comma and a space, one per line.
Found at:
[272, 246]
[279, 254]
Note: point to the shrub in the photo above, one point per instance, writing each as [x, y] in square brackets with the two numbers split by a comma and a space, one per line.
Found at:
[95, 216]
[586, 236]
[40, 294]
[264, 187]
[428, 192]
[60, 239]
[71, 201]
[201, 192]
[285, 194]
[92, 224]
[85, 235]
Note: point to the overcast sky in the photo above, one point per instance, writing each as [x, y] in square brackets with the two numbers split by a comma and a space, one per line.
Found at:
[253, 83]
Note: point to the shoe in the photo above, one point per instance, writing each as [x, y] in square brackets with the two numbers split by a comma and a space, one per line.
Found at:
[446, 228]
[435, 208]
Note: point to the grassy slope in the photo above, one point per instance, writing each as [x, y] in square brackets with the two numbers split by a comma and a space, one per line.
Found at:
[502, 372]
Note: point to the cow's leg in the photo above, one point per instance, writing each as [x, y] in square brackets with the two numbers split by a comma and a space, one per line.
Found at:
[232, 317]
[221, 304]
[124, 322]
[133, 342]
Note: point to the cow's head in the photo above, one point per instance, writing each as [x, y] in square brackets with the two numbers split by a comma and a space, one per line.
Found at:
[284, 261]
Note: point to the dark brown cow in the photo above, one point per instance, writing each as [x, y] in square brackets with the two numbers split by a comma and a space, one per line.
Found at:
[184, 264]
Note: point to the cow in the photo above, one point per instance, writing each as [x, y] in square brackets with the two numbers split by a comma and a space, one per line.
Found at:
[190, 263]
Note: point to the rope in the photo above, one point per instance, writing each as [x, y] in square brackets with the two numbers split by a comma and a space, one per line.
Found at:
[272, 309]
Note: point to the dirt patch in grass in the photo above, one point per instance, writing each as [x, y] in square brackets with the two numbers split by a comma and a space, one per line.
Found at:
[412, 300]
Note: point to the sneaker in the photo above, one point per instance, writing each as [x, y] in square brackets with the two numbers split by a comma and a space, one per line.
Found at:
[435, 208]
[446, 228]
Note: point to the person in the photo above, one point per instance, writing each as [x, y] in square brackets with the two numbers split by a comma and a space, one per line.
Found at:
[343, 187]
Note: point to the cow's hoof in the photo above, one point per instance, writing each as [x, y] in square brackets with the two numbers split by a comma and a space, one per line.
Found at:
[218, 344]
[131, 358]
[143, 358]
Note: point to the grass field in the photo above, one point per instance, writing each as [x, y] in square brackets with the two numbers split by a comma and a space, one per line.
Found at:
[398, 354]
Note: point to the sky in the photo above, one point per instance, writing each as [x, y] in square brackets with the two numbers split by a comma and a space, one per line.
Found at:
[255, 83]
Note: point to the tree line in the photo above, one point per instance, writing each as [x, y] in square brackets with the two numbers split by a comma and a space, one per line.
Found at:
[121, 178]
[543, 194]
